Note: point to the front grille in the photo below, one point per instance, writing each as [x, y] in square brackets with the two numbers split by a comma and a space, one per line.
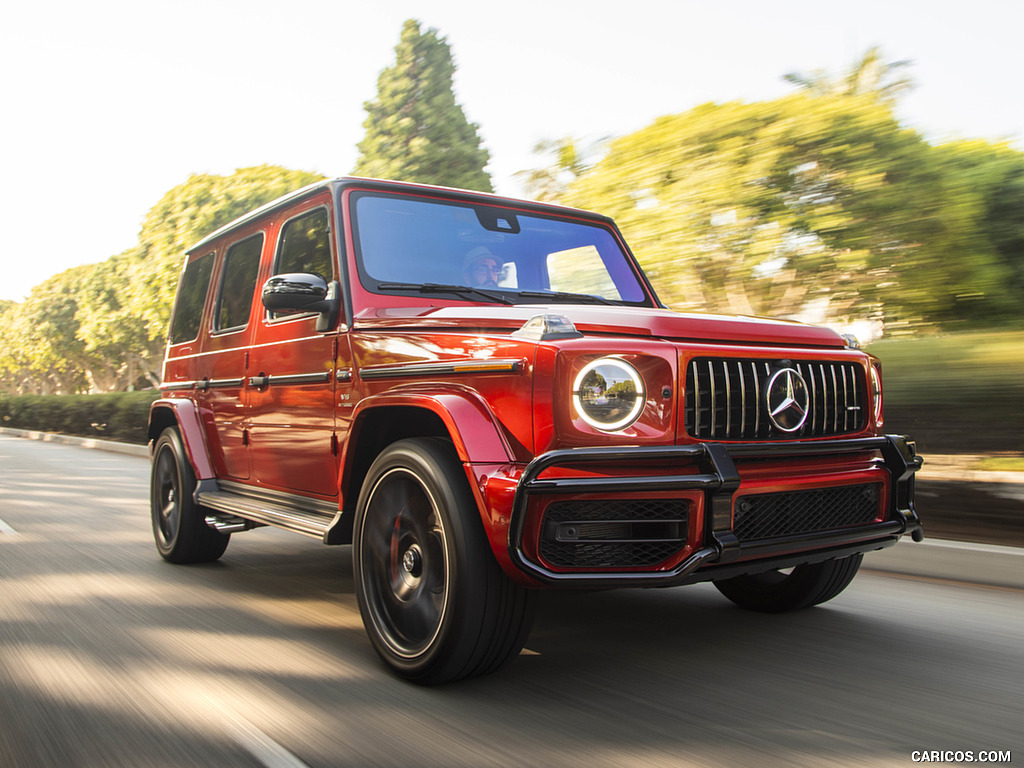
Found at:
[726, 399]
[768, 515]
[633, 533]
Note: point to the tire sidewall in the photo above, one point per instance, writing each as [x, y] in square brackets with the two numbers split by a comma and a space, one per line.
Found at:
[806, 586]
[191, 541]
[169, 441]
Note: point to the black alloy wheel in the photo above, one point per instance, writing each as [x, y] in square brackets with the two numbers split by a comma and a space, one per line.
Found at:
[179, 524]
[434, 602]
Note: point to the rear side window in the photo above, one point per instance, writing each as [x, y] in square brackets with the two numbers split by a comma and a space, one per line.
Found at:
[188, 309]
[241, 268]
[306, 246]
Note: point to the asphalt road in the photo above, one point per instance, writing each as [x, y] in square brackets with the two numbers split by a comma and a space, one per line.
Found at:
[111, 657]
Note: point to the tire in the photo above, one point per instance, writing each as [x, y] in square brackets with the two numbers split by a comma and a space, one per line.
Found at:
[434, 602]
[179, 525]
[806, 585]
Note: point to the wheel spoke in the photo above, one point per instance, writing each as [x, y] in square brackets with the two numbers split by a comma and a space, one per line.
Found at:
[418, 619]
[169, 519]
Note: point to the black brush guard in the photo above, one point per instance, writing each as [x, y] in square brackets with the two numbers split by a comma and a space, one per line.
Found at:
[718, 480]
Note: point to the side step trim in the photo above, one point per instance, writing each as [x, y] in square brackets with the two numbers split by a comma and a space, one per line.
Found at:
[313, 518]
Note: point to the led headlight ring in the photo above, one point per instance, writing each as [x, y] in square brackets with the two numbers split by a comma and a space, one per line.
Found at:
[608, 394]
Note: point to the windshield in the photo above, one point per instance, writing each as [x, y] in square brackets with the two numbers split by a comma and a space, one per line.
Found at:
[411, 244]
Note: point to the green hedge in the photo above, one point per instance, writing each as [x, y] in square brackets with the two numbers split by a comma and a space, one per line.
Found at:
[119, 416]
[956, 393]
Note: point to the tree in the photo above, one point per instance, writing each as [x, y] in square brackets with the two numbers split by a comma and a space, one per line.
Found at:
[775, 207]
[185, 215]
[568, 161]
[982, 254]
[103, 326]
[42, 350]
[118, 351]
[415, 130]
[868, 76]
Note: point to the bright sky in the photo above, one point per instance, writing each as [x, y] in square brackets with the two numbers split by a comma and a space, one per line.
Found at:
[108, 104]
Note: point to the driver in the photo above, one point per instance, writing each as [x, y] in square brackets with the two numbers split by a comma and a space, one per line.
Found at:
[483, 268]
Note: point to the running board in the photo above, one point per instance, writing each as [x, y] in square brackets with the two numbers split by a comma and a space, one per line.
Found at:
[300, 514]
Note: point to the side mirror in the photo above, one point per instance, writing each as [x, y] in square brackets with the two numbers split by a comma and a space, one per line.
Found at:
[301, 293]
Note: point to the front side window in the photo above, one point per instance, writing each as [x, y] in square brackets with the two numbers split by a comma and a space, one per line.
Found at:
[241, 266]
[305, 246]
[188, 307]
[415, 245]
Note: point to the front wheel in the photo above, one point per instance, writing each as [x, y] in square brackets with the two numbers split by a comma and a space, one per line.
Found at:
[179, 525]
[435, 603]
[804, 586]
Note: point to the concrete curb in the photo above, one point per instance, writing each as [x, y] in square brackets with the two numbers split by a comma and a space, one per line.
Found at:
[958, 469]
[952, 561]
[128, 449]
[933, 558]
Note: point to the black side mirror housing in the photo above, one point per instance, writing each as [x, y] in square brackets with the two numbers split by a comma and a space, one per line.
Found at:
[299, 293]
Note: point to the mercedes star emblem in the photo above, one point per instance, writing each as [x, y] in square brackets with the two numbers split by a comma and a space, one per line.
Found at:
[787, 400]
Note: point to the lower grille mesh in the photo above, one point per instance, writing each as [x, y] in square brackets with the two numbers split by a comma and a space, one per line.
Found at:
[769, 515]
[633, 533]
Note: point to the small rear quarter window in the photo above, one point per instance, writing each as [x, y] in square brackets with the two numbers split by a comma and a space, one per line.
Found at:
[188, 307]
[238, 283]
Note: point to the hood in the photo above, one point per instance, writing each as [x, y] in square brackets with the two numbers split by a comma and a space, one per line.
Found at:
[606, 321]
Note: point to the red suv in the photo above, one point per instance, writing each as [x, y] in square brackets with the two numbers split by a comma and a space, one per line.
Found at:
[485, 397]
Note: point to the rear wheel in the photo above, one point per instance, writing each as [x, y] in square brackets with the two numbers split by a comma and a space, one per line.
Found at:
[179, 525]
[435, 603]
[801, 587]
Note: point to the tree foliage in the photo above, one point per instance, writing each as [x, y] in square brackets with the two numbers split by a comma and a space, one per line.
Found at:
[568, 160]
[870, 75]
[818, 205]
[102, 327]
[415, 130]
[185, 215]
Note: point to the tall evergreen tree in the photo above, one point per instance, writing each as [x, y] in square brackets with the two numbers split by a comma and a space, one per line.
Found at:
[415, 130]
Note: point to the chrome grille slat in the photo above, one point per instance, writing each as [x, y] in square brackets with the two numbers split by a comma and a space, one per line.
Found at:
[757, 399]
[835, 400]
[743, 399]
[846, 403]
[696, 394]
[714, 390]
[728, 399]
[725, 398]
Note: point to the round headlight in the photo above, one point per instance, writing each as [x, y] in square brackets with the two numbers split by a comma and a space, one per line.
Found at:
[876, 395]
[608, 394]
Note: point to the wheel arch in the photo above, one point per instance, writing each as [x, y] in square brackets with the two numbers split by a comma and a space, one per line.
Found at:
[460, 417]
[183, 414]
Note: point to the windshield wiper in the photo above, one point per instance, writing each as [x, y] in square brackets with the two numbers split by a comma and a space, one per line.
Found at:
[445, 288]
[586, 298]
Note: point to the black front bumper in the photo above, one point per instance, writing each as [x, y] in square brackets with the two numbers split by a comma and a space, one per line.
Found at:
[718, 480]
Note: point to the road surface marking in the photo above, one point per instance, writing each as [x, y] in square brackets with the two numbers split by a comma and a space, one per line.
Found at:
[5, 528]
[256, 742]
